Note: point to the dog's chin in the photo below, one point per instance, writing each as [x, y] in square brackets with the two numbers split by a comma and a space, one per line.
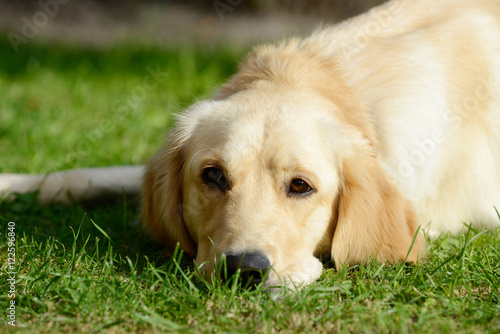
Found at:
[288, 278]
[294, 277]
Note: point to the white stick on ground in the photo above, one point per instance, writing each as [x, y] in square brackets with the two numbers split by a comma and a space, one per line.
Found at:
[80, 185]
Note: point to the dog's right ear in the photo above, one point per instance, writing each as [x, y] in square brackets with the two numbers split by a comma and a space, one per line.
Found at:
[161, 212]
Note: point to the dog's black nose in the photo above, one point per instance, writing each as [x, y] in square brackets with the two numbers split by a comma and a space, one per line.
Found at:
[252, 266]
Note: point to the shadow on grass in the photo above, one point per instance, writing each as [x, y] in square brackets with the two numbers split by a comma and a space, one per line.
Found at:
[81, 227]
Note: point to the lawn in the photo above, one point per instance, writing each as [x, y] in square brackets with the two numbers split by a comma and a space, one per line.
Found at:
[91, 269]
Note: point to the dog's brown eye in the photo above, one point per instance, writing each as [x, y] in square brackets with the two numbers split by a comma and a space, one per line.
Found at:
[299, 187]
[214, 177]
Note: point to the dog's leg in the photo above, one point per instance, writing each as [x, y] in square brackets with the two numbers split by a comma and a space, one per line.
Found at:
[79, 185]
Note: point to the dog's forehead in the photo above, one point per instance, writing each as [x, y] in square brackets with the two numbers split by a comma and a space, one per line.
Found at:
[281, 127]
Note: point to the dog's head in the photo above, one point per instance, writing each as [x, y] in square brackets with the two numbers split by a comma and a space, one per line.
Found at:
[281, 166]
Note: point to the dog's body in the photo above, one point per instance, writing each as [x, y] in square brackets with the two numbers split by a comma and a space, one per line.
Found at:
[342, 143]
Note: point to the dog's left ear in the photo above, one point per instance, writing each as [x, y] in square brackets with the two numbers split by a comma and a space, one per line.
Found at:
[374, 219]
[161, 209]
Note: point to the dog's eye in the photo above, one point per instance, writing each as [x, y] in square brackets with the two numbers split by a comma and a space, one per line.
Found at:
[214, 177]
[299, 187]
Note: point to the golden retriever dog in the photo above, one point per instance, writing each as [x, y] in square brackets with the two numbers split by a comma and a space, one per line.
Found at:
[353, 142]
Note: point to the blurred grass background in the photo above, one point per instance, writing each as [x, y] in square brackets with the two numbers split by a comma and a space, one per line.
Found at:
[72, 88]
[65, 107]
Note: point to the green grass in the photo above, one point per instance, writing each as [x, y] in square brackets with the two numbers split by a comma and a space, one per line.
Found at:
[92, 269]
[65, 107]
